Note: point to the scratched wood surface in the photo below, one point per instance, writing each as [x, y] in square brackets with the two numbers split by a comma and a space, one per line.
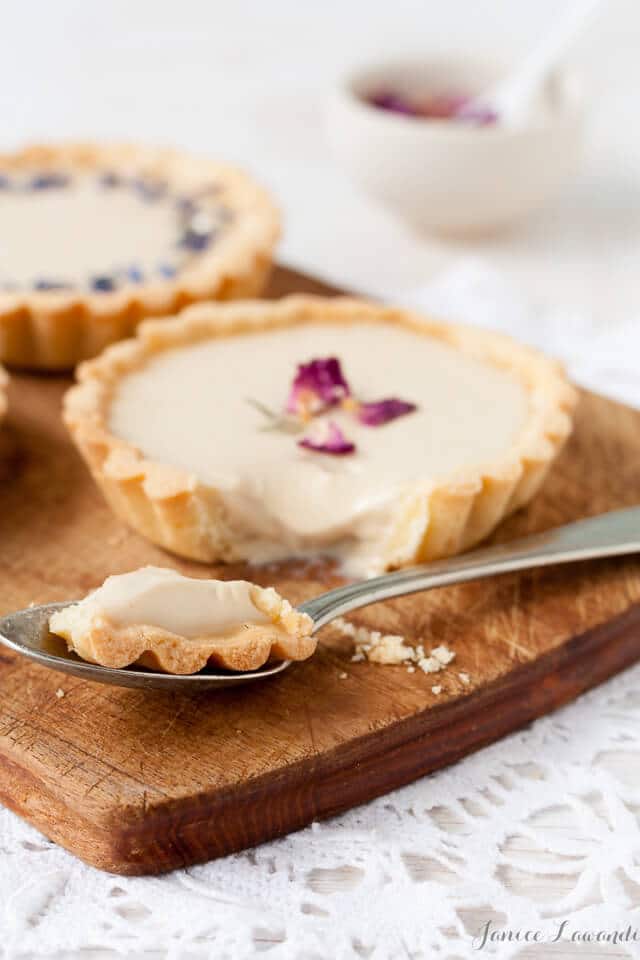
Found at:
[139, 782]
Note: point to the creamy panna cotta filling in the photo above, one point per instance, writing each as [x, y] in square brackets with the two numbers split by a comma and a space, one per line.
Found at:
[98, 232]
[208, 408]
[180, 623]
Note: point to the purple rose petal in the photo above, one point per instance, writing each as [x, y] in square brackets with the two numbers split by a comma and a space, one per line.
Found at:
[450, 105]
[383, 411]
[317, 386]
[395, 102]
[333, 441]
[471, 111]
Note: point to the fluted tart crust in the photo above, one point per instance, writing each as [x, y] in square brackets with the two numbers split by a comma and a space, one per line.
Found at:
[428, 519]
[229, 228]
[159, 619]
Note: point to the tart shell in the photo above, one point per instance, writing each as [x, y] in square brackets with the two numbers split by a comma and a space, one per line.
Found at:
[150, 646]
[175, 510]
[57, 329]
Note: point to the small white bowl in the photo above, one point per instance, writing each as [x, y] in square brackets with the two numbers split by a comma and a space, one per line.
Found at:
[449, 176]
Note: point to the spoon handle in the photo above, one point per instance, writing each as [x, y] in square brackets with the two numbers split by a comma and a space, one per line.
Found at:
[512, 97]
[607, 535]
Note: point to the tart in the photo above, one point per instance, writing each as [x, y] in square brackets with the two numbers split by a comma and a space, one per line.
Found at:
[159, 619]
[259, 430]
[96, 238]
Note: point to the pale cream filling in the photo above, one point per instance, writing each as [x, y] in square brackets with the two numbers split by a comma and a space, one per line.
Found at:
[189, 407]
[72, 233]
[163, 598]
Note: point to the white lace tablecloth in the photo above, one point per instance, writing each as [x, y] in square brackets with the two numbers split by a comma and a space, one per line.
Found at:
[537, 834]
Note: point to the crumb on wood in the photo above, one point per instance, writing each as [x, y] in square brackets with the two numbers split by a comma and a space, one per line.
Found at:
[342, 676]
[60, 693]
[466, 679]
[437, 689]
[393, 649]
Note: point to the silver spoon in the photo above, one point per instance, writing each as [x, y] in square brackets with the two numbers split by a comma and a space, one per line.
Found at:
[608, 535]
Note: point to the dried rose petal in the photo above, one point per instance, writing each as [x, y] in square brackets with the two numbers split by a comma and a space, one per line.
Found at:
[318, 385]
[382, 411]
[450, 105]
[474, 112]
[441, 106]
[395, 102]
[332, 441]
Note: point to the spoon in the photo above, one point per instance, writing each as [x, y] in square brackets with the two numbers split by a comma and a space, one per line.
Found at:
[511, 98]
[608, 535]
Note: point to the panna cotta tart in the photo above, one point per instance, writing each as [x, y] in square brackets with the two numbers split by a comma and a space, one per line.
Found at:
[157, 618]
[261, 430]
[96, 238]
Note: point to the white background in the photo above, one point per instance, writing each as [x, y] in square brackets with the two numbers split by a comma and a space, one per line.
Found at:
[246, 80]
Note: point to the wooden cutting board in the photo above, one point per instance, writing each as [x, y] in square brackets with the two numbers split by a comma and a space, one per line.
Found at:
[140, 782]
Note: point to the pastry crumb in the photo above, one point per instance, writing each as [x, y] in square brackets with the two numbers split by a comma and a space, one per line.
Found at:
[342, 676]
[60, 693]
[443, 654]
[430, 665]
[466, 679]
[436, 689]
[393, 649]
[345, 628]
[387, 648]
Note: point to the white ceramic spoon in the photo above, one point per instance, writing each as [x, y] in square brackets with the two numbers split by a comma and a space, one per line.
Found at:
[511, 99]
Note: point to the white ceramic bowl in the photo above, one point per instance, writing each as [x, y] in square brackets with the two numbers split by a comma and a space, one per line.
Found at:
[449, 176]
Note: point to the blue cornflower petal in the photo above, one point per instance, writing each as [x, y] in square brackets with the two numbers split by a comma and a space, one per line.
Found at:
[103, 284]
[47, 181]
[44, 284]
[134, 274]
[195, 240]
[110, 179]
[149, 189]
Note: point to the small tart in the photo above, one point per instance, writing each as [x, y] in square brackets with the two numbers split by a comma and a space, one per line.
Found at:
[172, 425]
[159, 619]
[96, 238]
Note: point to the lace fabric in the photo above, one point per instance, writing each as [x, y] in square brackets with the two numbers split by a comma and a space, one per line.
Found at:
[537, 834]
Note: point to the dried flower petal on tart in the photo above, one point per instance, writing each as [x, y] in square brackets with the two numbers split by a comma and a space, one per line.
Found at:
[379, 412]
[160, 619]
[318, 386]
[327, 437]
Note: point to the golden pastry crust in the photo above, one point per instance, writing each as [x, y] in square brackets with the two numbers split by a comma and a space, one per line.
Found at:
[57, 329]
[177, 511]
[248, 647]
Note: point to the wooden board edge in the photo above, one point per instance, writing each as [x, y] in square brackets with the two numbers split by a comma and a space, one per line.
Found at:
[193, 830]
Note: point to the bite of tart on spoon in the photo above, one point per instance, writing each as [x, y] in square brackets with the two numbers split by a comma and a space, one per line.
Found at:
[156, 618]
